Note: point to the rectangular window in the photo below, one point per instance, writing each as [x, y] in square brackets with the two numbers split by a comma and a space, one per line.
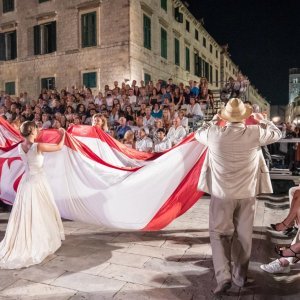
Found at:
[45, 38]
[164, 4]
[8, 5]
[206, 70]
[187, 25]
[147, 32]
[210, 74]
[89, 29]
[210, 48]
[89, 80]
[10, 88]
[48, 83]
[41, 1]
[8, 45]
[197, 64]
[217, 54]
[217, 78]
[177, 51]
[147, 78]
[196, 34]
[187, 59]
[164, 43]
[204, 42]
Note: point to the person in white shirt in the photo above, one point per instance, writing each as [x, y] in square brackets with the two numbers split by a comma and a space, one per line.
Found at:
[194, 110]
[162, 143]
[148, 120]
[132, 97]
[184, 120]
[144, 143]
[176, 132]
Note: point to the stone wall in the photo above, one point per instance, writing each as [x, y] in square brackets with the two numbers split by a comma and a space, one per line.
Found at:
[110, 58]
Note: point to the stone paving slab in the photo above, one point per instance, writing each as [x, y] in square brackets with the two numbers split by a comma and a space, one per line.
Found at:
[171, 264]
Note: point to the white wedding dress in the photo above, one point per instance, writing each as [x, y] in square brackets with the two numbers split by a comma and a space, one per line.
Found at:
[34, 228]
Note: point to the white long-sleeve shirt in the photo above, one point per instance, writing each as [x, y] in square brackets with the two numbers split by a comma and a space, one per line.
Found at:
[161, 146]
[195, 110]
[176, 135]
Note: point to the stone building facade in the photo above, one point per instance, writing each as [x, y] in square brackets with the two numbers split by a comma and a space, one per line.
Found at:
[94, 42]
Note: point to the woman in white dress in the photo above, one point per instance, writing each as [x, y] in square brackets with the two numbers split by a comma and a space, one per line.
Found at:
[34, 229]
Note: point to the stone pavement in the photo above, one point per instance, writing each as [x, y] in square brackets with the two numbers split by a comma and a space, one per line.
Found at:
[98, 263]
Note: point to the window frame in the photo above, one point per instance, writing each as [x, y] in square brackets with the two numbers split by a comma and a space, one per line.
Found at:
[44, 78]
[204, 42]
[196, 35]
[187, 26]
[89, 40]
[88, 73]
[6, 38]
[45, 34]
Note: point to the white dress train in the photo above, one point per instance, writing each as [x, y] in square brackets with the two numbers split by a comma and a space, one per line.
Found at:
[34, 228]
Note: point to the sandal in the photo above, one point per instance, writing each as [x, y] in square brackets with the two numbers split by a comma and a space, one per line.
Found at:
[274, 226]
[279, 250]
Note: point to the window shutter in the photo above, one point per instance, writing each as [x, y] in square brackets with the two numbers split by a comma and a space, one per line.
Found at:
[187, 58]
[2, 47]
[52, 37]
[37, 39]
[177, 52]
[92, 29]
[14, 45]
[147, 32]
[164, 43]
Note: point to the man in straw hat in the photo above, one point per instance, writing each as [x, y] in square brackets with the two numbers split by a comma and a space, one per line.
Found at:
[233, 173]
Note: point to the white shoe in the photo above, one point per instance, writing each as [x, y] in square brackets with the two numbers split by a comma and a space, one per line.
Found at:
[275, 267]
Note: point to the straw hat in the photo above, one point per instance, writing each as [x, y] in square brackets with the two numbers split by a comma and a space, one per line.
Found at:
[235, 111]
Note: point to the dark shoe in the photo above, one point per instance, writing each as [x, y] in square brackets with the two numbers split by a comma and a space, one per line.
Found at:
[222, 288]
[291, 232]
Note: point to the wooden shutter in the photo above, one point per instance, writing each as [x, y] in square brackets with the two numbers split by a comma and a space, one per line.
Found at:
[164, 43]
[14, 45]
[2, 47]
[147, 32]
[37, 39]
[177, 52]
[52, 37]
[92, 29]
[187, 58]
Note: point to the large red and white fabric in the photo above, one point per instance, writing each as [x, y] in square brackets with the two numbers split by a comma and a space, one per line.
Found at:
[96, 179]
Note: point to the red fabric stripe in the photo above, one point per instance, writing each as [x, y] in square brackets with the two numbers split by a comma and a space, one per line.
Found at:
[95, 132]
[54, 136]
[182, 199]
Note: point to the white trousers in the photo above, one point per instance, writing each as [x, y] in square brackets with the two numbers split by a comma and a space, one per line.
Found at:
[230, 228]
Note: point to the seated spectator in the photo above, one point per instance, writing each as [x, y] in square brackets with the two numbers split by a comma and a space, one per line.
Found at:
[165, 95]
[176, 133]
[100, 121]
[158, 124]
[194, 89]
[81, 112]
[156, 112]
[184, 121]
[177, 98]
[194, 110]
[166, 118]
[162, 143]
[144, 143]
[46, 123]
[203, 89]
[129, 139]
[132, 97]
[148, 119]
[129, 114]
[154, 98]
[122, 128]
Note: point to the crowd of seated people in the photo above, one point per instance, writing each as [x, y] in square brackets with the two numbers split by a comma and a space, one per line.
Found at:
[156, 116]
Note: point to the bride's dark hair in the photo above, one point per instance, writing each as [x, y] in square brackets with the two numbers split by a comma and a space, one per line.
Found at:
[27, 127]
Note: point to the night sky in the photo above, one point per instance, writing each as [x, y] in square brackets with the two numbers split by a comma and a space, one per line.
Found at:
[263, 38]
